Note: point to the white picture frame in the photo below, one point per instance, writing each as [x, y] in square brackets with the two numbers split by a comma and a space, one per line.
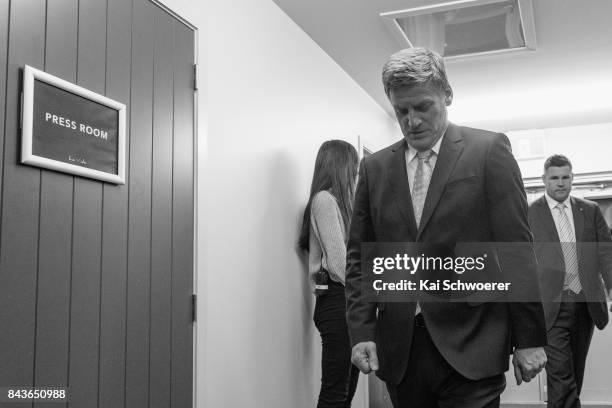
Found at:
[29, 157]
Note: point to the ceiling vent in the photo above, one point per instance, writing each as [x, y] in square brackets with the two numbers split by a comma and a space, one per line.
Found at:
[466, 27]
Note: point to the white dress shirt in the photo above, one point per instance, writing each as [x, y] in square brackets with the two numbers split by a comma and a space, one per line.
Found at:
[552, 203]
[412, 161]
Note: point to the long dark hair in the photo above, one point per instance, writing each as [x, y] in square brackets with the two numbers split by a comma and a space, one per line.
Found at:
[335, 170]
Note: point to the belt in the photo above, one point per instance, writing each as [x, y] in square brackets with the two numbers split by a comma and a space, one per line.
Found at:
[419, 321]
[570, 293]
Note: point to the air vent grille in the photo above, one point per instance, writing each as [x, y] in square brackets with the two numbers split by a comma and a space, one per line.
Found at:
[467, 27]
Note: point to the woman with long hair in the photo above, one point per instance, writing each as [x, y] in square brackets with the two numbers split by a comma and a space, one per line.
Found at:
[324, 234]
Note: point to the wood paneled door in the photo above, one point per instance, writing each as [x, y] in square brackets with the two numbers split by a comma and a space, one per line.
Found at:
[96, 279]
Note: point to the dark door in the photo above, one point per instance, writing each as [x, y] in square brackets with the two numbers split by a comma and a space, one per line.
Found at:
[96, 279]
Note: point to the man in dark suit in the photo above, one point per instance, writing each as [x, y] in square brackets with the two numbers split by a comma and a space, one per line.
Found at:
[442, 183]
[574, 252]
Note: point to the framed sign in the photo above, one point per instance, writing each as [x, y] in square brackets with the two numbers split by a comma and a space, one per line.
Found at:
[71, 129]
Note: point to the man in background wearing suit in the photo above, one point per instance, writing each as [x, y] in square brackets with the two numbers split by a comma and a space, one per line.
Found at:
[574, 251]
[442, 183]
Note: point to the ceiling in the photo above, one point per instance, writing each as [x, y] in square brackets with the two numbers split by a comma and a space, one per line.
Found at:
[565, 81]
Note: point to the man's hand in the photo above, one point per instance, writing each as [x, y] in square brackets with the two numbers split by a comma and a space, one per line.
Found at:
[528, 362]
[364, 356]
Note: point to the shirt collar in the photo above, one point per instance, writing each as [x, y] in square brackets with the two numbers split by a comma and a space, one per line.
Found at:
[552, 203]
[412, 152]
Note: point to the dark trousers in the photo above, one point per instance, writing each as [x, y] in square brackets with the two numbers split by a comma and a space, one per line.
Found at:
[430, 382]
[568, 343]
[339, 376]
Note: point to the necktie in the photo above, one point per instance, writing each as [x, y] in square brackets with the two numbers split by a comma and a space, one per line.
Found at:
[568, 246]
[422, 177]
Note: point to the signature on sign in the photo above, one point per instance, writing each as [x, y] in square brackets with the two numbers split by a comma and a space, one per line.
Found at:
[79, 160]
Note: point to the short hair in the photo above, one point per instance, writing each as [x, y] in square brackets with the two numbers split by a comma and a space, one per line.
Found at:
[557, 160]
[414, 66]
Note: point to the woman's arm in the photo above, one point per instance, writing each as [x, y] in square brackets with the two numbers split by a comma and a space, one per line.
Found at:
[327, 222]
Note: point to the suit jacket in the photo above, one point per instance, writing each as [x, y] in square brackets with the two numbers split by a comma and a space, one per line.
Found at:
[475, 195]
[594, 250]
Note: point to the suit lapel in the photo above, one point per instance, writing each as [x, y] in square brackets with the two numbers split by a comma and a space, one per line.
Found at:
[450, 150]
[398, 178]
[549, 223]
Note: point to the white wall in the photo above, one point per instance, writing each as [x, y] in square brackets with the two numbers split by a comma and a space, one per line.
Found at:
[268, 97]
[588, 148]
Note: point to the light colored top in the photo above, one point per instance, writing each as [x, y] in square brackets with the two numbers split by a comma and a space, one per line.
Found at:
[327, 238]
[412, 161]
[552, 203]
